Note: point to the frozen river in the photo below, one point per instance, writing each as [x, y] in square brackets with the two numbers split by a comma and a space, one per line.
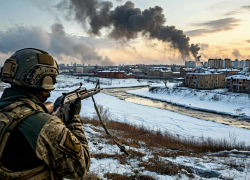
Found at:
[223, 119]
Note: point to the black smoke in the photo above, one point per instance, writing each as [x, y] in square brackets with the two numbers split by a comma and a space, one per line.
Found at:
[126, 22]
[194, 49]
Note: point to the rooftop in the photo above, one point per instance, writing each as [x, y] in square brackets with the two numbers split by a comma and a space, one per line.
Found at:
[239, 77]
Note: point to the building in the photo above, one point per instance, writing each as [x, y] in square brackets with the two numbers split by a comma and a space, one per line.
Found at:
[247, 63]
[190, 64]
[205, 64]
[227, 72]
[238, 83]
[226, 63]
[215, 63]
[78, 70]
[111, 74]
[154, 72]
[184, 71]
[88, 69]
[61, 65]
[241, 64]
[130, 75]
[205, 80]
[160, 72]
[166, 73]
[236, 63]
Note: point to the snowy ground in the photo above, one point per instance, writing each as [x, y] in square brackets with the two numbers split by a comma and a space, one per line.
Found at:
[222, 165]
[149, 116]
[218, 100]
[164, 120]
[154, 118]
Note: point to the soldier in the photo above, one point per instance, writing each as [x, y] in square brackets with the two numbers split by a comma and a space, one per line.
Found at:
[34, 144]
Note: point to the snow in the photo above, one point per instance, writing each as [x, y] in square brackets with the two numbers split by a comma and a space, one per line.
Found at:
[66, 82]
[154, 118]
[203, 73]
[218, 100]
[238, 77]
[220, 167]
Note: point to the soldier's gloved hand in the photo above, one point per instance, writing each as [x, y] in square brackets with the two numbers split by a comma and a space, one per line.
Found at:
[76, 108]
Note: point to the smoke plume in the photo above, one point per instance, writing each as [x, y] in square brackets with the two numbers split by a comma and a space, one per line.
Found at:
[126, 22]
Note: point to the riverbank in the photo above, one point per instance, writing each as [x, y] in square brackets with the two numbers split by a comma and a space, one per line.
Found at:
[122, 94]
[215, 101]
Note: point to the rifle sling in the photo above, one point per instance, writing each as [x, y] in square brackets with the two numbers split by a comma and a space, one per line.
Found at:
[122, 148]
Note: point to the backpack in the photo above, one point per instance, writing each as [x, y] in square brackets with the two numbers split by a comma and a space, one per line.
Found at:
[10, 116]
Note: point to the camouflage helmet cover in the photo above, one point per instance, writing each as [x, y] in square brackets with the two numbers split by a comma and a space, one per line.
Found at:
[30, 67]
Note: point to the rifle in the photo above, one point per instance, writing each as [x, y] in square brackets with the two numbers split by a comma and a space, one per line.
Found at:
[63, 105]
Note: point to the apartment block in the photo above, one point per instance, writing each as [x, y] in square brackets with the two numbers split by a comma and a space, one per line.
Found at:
[215, 63]
[227, 63]
[190, 64]
[238, 83]
[247, 63]
[205, 80]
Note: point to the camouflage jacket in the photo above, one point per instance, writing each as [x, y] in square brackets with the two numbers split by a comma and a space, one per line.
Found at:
[42, 139]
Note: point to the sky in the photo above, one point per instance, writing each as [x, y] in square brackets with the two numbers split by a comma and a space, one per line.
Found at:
[127, 32]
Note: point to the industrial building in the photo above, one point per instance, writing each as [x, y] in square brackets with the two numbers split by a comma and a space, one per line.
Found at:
[111, 74]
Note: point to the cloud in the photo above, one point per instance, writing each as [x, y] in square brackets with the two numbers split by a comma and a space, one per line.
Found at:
[203, 55]
[241, 10]
[100, 43]
[204, 46]
[236, 53]
[46, 6]
[246, 7]
[197, 32]
[225, 24]
[20, 37]
[234, 12]
[248, 41]
[58, 43]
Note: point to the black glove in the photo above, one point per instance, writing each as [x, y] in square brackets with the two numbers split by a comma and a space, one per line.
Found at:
[76, 108]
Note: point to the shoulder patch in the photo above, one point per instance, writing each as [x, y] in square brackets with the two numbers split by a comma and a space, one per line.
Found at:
[70, 143]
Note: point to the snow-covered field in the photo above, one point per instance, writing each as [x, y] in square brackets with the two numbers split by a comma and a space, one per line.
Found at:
[218, 100]
[222, 165]
[164, 120]
[149, 116]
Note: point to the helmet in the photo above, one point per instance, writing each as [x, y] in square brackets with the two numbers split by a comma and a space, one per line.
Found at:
[32, 68]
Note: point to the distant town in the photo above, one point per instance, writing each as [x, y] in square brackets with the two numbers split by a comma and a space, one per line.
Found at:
[216, 73]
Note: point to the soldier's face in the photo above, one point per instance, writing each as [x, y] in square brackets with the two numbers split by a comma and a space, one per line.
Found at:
[43, 95]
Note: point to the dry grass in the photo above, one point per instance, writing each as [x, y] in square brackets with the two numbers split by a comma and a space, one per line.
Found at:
[90, 176]
[165, 167]
[159, 144]
[115, 176]
[122, 158]
[132, 135]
